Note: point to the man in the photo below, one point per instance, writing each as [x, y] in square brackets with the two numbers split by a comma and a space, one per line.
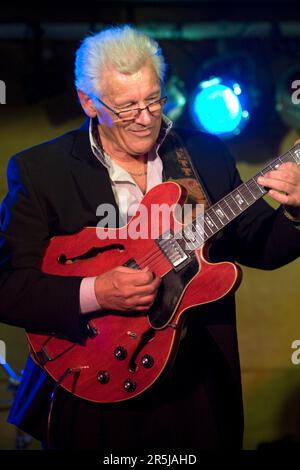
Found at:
[120, 153]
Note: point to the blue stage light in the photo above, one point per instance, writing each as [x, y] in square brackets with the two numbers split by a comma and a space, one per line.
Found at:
[218, 108]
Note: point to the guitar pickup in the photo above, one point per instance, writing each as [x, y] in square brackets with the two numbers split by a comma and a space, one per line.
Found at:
[173, 251]
[131, 263]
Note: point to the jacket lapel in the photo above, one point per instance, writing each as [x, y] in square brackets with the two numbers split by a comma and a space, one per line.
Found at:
[89, 174]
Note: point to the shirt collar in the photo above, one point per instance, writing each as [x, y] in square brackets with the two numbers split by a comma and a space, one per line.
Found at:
[98, 150]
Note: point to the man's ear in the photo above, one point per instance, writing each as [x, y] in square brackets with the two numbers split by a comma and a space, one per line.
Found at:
[87, 104]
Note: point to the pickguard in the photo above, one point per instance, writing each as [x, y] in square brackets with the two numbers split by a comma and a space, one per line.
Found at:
[170, 290]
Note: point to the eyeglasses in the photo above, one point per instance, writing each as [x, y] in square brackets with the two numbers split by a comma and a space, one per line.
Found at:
[131, 114]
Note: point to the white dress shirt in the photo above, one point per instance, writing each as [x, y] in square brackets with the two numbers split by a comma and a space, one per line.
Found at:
[127, 193]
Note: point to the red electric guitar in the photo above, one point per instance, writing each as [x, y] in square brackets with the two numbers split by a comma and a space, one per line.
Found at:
[124, 354]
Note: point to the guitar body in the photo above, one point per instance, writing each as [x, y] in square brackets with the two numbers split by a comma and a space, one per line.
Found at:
[125, 353]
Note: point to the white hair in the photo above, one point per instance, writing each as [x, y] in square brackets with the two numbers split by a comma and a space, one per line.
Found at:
[123, 48]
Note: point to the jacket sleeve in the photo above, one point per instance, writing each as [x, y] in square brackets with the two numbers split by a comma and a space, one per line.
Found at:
[31, 299]
[261, 237]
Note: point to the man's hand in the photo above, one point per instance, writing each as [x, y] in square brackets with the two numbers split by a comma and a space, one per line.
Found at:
[284, 184]
[126, 289]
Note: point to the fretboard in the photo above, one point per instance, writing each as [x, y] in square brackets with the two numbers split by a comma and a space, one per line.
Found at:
[215, 218]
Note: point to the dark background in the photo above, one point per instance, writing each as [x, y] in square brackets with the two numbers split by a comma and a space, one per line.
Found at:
[257, 43]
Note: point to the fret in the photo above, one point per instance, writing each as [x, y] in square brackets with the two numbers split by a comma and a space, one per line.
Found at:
[210, 223]
[247, 195]
[286, 158]
[270, 167]
[214, 217]
[280, 160]
[274, 165]
[199, 227]
[255, 188]
[190, 245]
[207, 229]
[191, 236]
[199, 223]
[199, 231]
[188, 234]
[240, 201]
[221, 213]
[202, 225]
[296, 156]
[266, 170]
[248, 186]
[207, 224]
[230, 203]
[290, 157]
[227, 209]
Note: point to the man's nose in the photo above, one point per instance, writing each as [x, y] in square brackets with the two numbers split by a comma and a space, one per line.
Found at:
[144, 117]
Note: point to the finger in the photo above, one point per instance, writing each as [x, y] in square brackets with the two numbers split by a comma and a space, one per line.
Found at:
[146, 300]
[156, 282]
[125, 269]
[135, 276]
[277, 184]
[289, 176]
[283, 198]
[142, 277]
[147, 289]
[142, 308]
[287, 165]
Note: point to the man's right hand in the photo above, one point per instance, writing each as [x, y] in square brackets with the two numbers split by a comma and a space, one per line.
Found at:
[126, 289]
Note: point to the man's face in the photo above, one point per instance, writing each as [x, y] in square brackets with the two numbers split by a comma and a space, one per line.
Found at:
[123, 91]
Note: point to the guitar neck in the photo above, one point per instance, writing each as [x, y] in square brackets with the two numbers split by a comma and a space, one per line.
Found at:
[214, 219]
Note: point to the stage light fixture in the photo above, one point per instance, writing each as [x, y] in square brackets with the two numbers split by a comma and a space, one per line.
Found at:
[219, 107]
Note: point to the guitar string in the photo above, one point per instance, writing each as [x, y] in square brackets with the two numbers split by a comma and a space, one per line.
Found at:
[153, 252]
[155, 264]
[155, 257]
[149, 256]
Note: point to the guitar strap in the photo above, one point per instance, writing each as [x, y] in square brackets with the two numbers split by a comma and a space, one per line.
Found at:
[178, 166]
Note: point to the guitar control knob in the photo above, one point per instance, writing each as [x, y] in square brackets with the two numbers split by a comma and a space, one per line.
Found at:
[147, 361]
[120, 353]
[103, 377]
[129, 385]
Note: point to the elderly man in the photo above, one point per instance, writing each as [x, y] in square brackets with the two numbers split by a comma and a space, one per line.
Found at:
[125, 148]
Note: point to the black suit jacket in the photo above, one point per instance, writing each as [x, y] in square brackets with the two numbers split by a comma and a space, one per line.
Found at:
[55, 188]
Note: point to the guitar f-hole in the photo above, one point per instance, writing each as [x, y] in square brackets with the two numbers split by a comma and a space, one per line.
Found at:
[92, 253]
